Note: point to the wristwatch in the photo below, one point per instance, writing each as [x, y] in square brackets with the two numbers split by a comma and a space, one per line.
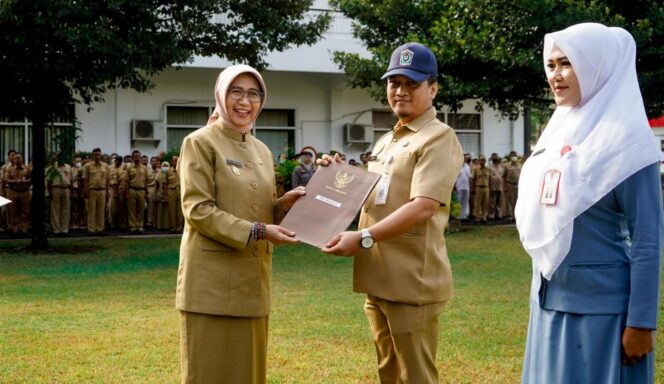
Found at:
[367, 241]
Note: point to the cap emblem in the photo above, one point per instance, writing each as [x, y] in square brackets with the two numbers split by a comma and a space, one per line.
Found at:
[406, 57]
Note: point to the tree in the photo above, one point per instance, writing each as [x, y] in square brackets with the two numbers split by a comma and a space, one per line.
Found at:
[491, 50]
[56, 52]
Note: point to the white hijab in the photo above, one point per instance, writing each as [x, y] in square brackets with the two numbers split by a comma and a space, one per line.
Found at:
[608, 132]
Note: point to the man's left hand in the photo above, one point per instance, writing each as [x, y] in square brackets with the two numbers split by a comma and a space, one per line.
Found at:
[344, 244]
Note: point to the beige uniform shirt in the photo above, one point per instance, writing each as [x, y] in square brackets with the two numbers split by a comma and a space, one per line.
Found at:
[62, 178]
[137, 176]
[422, 159]
[152, 176]
[118, 177]
[497, 172]
[14, 174]
[227, 184]
[481, 177]
[513, 173]
[96, 174]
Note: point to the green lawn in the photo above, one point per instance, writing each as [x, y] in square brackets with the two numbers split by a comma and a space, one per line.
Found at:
[108, 316]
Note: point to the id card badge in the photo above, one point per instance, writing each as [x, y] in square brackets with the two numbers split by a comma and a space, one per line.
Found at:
[550, 187]
[383, 188]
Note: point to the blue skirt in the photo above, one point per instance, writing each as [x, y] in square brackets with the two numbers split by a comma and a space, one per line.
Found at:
[571, 348]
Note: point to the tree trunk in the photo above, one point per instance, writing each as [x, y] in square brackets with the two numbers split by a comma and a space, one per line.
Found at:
[39, 237]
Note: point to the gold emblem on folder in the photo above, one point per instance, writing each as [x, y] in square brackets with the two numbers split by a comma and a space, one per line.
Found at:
[342, 179]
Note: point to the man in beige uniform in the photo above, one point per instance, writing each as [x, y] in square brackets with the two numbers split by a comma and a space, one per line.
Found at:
[153, 173]
[137, 179]
[58, 182]
[95, 186]
[481, 178]
[400, 257]
[78, 218]
[118, 191]
[172, 194]
[4, 223]
[512, 175]
[17, 181]
[496, 176]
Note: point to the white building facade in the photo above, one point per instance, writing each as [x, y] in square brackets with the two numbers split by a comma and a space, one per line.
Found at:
[308, 104]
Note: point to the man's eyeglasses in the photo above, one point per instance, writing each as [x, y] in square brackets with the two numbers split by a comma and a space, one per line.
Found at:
[237, 93]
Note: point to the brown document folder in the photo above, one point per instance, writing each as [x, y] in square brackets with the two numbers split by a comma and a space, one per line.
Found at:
[334, 196]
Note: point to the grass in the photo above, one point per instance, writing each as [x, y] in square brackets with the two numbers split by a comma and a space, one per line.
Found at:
[108, 316]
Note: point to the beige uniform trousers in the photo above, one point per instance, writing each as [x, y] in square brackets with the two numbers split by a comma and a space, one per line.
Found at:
[136, 207]
[19, 210]
[481, 203]
[96, 204]
[60, 209]
[175, 219]
[512, 192]
[119, 209]
[406, 338]
[78, 212]
[222, 349]
[496, 204]
[152, 206]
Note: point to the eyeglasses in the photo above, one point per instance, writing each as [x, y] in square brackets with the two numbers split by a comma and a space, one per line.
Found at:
[237, 93]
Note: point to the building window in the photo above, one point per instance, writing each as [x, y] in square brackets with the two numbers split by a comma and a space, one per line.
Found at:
[276, 128]
[17, 135]
[383, 122]
[468, 130]
[183, 120]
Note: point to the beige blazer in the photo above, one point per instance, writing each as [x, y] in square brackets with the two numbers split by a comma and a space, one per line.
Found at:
[227, 183]
[422, 159]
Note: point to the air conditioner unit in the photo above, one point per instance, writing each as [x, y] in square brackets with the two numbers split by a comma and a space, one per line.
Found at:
[146, 130]
[358, 133]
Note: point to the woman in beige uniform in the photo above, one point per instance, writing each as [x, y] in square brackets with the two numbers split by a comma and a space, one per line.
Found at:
[229, 205]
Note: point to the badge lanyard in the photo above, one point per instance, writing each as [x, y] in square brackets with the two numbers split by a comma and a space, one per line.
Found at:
[384, 182]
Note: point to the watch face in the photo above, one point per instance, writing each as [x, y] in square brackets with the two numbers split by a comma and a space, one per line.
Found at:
[367, 242]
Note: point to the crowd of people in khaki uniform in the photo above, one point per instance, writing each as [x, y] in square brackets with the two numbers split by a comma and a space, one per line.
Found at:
[94, 194]
[488, 191]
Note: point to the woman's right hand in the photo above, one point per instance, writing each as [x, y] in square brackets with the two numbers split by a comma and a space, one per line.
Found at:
[326, 160]
[278, 235]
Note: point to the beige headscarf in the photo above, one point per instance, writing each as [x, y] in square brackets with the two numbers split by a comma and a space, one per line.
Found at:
[224, 81]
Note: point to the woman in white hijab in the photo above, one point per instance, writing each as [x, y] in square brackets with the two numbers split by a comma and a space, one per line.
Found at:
[589, 214]
[229, 204]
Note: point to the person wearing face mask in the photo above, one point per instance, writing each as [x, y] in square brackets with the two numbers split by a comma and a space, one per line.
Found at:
[153, 172]
[589, 213]
[230, 207]
[161, 186]
[78, 217]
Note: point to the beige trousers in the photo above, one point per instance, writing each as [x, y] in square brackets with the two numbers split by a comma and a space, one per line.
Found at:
[96, 205]
[136, 207]
[19, 210]
[406, 337]
[481, 203]
[60, 209]
[222, 349]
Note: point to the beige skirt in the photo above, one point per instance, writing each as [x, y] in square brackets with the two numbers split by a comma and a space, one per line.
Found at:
[223, 349]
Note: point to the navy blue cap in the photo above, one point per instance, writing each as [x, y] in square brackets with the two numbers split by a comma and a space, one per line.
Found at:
[413, 60]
